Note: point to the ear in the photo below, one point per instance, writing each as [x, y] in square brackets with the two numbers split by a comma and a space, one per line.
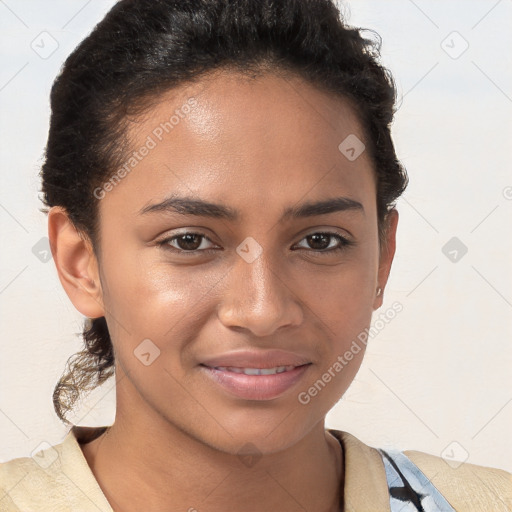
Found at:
[76, 263]
[387, 252]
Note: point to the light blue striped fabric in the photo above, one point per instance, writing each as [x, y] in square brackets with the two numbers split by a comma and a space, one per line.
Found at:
[409, 489]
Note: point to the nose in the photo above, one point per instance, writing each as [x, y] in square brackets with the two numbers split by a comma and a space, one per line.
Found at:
[259, 298]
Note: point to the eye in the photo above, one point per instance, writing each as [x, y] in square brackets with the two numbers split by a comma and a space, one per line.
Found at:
[323, 242]
[188, 242]
[194, 243]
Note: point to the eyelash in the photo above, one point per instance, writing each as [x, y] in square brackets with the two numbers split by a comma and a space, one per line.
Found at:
[344, 243]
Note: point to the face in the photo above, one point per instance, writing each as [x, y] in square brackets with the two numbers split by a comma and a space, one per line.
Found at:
[240, 239]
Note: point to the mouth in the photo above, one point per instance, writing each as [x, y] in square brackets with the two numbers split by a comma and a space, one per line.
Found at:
[255, 383]
[255, 371]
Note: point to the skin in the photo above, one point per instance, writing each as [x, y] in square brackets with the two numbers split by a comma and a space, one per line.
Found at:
[257, 146]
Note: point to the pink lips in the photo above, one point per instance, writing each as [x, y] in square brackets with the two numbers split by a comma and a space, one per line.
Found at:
[280, 370]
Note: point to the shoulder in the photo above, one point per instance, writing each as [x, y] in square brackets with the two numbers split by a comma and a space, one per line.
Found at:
[466, 486]
[55, 478]
[24, 477]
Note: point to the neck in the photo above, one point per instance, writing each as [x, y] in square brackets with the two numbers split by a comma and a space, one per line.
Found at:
[143, 462]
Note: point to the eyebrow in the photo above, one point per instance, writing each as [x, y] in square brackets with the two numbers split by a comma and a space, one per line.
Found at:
[200, 208]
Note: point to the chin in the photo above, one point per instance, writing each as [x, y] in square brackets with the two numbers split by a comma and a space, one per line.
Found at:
[264, 431]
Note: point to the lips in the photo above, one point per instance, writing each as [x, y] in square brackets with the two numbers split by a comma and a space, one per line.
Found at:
[257, 375]
[256, 359]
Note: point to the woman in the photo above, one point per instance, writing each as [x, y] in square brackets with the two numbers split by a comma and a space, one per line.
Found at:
[220, 181]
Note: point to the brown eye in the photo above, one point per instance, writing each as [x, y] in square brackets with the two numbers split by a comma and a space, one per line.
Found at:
[189, 242]
[319, 241]
[323, 242]
[193, 243]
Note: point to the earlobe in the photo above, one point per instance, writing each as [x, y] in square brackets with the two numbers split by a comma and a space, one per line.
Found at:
[76, 263]
[387, 253]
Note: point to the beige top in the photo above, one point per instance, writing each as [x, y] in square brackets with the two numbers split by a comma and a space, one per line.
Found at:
[59, 479]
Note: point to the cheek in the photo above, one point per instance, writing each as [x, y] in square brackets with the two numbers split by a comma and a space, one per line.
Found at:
[343, 305]
[152, 299]
[343, 298]
[343, 310]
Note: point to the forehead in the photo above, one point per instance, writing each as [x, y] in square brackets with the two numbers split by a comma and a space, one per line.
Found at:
[240, 140]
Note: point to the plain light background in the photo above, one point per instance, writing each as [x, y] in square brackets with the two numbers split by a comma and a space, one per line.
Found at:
[437, 377]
